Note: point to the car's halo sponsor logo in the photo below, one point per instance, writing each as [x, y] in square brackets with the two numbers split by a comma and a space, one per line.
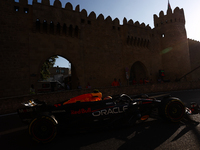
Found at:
[114, 110]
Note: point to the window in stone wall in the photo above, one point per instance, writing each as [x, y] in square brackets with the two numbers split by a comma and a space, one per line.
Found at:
[70, 30]
[135, 40]
[144, 43]
[37, 23]
[128, 39]
[131, 41]
[163, 35]
[89, 22]
[51, 27]
[138, 42]
[16, 8]
[45, 26]
[58, 28]
[76, 33]
[64, 29]
[26, 10]
[82, 20]
[141, 42]
[147, 44]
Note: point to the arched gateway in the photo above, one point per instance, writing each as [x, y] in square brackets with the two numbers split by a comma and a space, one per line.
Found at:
[138, 71]
[72, 80]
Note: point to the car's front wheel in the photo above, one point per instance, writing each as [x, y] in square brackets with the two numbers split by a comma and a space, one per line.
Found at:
[43, 129]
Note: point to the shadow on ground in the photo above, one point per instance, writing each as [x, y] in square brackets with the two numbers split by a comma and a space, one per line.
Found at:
[145, 136]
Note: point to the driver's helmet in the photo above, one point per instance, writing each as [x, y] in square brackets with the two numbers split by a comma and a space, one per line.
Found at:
[107, 98]
[96, 91]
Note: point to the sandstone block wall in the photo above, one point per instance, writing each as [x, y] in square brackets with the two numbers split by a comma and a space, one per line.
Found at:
[98, 47]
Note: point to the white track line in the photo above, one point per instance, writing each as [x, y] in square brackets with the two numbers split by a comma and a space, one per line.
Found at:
[158, 95]
[13, 130]
[8, 114]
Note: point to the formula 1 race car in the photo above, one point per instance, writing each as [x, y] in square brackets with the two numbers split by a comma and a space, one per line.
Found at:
[92, 111]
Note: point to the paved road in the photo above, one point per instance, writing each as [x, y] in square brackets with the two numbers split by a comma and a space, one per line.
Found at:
[150, 135]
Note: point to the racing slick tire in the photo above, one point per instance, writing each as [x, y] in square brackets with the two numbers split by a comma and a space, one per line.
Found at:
[43, 129]
[172, 109]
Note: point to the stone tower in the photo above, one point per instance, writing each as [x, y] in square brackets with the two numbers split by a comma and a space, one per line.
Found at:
[174, 49]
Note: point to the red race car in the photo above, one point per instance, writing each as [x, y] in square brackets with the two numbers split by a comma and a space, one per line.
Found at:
[91, 111]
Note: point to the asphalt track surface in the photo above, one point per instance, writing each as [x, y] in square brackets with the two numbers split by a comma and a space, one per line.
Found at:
[153, 134]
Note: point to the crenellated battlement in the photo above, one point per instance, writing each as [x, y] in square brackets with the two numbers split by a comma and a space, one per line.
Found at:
[171, 17]
[137, 24]
[192, 40]
[69, 21]
[68, 9]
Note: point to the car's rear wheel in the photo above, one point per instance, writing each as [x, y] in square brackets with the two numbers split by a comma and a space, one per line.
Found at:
[43, 129]
[172, 109]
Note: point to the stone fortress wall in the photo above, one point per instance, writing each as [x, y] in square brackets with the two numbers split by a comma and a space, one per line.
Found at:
[99, 49]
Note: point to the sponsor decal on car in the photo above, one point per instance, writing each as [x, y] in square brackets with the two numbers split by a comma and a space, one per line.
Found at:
[25, 110]
[81, 111]
[114, 110]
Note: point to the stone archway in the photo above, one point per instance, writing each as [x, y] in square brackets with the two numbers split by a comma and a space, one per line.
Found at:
[73, 79]
[138, 71]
